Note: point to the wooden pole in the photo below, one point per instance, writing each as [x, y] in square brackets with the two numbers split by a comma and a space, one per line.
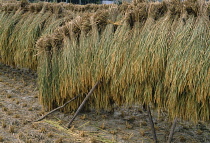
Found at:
[83, 103]
[172, 131]
[152, 125]
[57, 108]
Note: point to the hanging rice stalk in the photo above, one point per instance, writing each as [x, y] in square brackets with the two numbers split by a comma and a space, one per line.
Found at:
[144, 53]
[23, 27]
[152, 53]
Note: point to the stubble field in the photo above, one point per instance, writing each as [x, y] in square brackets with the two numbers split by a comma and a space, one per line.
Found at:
[19, 107]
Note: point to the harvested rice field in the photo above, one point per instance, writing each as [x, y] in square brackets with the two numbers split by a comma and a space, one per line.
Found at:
[132, 72]
[19, 107]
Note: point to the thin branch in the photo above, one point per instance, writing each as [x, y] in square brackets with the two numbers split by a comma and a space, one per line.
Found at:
[57, 108]
[172, 131]
[80, 107]
[152, 125]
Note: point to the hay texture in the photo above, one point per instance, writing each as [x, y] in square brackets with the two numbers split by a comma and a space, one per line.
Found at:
[145, 53]
[153, 53]
[22, 24]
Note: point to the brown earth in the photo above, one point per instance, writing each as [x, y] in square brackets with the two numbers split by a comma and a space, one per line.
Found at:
[19, 107]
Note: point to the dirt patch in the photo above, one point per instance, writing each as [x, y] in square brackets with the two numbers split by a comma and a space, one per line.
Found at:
[19, 107]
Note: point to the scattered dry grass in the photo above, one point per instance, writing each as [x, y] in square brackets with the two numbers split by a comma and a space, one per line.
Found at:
[1, 139]
[60, 140]
[16, 116]
[17, 101]
[24, 105]
[35, 126]
[50, 134]
[11, 129]
[3, 124]
[9, 96]
[5, 109]
[30, 109]
[43, 130]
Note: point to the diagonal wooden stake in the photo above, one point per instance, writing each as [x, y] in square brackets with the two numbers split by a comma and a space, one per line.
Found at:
[83, 103]
[152, 125]
[172, 131]
[57, 108]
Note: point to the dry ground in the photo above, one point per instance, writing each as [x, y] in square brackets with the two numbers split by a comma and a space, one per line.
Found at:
[19, 107]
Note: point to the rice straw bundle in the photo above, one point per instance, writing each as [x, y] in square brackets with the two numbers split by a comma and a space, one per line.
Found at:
[23, 27]
[144, 53]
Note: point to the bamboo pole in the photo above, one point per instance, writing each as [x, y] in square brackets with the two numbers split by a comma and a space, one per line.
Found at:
[83, 103]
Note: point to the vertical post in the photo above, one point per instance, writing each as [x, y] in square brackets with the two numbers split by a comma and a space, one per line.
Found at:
[172, 131]
[152, 124]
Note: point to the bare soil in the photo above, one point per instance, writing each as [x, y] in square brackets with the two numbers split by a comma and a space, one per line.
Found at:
[19, 107]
